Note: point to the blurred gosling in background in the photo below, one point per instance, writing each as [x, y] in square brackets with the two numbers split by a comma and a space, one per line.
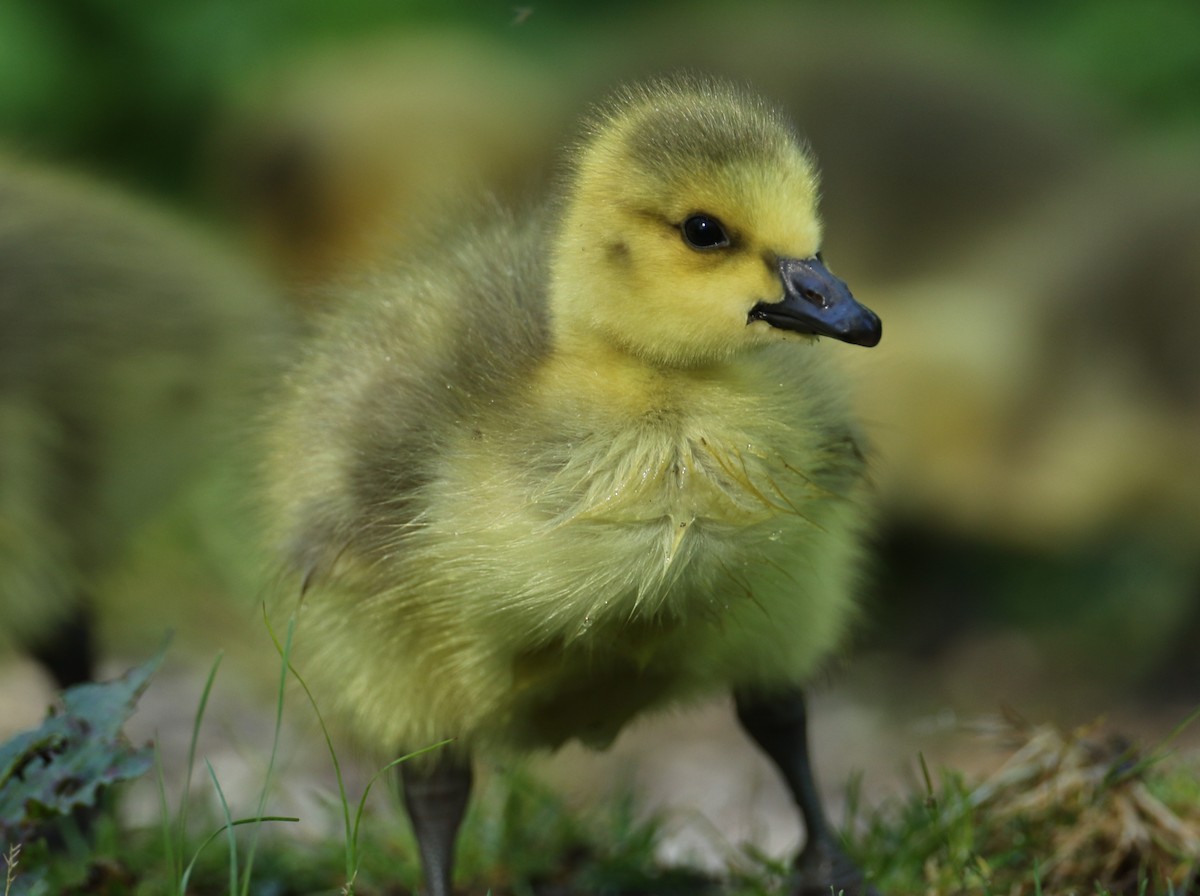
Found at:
[129, 348]
[330, 162]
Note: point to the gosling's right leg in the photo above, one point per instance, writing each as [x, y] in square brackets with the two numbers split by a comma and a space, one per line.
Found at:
[436, 796]
[778, 723]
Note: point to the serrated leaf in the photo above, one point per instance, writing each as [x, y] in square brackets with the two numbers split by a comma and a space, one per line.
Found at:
[74, 756]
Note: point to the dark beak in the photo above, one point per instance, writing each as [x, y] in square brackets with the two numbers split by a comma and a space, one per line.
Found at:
[815, 301]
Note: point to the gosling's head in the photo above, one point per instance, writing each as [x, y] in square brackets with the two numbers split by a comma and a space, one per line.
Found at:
[690, 231]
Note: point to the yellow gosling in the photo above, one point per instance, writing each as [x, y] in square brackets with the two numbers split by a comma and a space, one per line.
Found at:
[567, 466]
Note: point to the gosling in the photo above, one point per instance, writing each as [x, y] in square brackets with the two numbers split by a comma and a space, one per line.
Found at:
[571, 466]
[129, 348]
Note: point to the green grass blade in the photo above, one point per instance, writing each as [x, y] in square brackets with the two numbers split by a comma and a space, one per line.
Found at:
[184, 798]
[173, 856]
[222, 830]
[351, 829]
[348, 830]
[266, 787]
[1131, 766]
[228, 827]
[362, 803]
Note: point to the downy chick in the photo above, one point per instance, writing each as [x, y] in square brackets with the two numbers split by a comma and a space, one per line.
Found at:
[567, 467]
[127, 343]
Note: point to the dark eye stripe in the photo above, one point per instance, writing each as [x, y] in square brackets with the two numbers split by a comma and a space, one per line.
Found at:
[704, 232]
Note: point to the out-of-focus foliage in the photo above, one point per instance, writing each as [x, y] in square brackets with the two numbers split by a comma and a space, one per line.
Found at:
[1142, 58]
[350, 153]
[65, 765]
[132, 87]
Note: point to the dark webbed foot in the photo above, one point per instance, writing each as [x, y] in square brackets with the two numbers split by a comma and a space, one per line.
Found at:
[778, 723]
[822, 868]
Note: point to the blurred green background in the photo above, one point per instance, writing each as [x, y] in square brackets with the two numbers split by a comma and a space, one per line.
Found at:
[135, 87]
[1013, 184]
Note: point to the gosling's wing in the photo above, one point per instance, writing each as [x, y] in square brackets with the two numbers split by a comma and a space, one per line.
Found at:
[409, 356]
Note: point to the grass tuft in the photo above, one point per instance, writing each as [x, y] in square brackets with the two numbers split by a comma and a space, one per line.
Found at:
[1079, 812]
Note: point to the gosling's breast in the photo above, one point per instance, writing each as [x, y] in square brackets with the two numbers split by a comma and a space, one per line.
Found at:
[670, 487]
[611, 518]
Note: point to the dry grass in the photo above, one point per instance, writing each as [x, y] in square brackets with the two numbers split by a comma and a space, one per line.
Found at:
[1083, 812]
[1102, 821]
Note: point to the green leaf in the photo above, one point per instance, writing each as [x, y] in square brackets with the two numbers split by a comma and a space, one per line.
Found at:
[74, 756]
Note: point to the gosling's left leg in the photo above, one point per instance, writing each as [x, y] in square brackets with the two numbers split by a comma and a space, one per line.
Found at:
[778, 723]
[436, 797]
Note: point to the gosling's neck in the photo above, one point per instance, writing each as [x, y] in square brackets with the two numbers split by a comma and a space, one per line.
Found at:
[592, 373]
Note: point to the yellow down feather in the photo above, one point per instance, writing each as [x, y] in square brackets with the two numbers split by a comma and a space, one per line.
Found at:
[545, 474]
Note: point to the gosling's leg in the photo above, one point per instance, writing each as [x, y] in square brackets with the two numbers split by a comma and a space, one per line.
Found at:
[778, 723]
[436, 796]
[68, 651]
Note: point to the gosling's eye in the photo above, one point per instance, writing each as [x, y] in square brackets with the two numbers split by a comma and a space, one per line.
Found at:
[704, 232]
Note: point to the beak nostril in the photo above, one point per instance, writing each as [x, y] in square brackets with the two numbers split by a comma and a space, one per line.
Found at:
[816, 298]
